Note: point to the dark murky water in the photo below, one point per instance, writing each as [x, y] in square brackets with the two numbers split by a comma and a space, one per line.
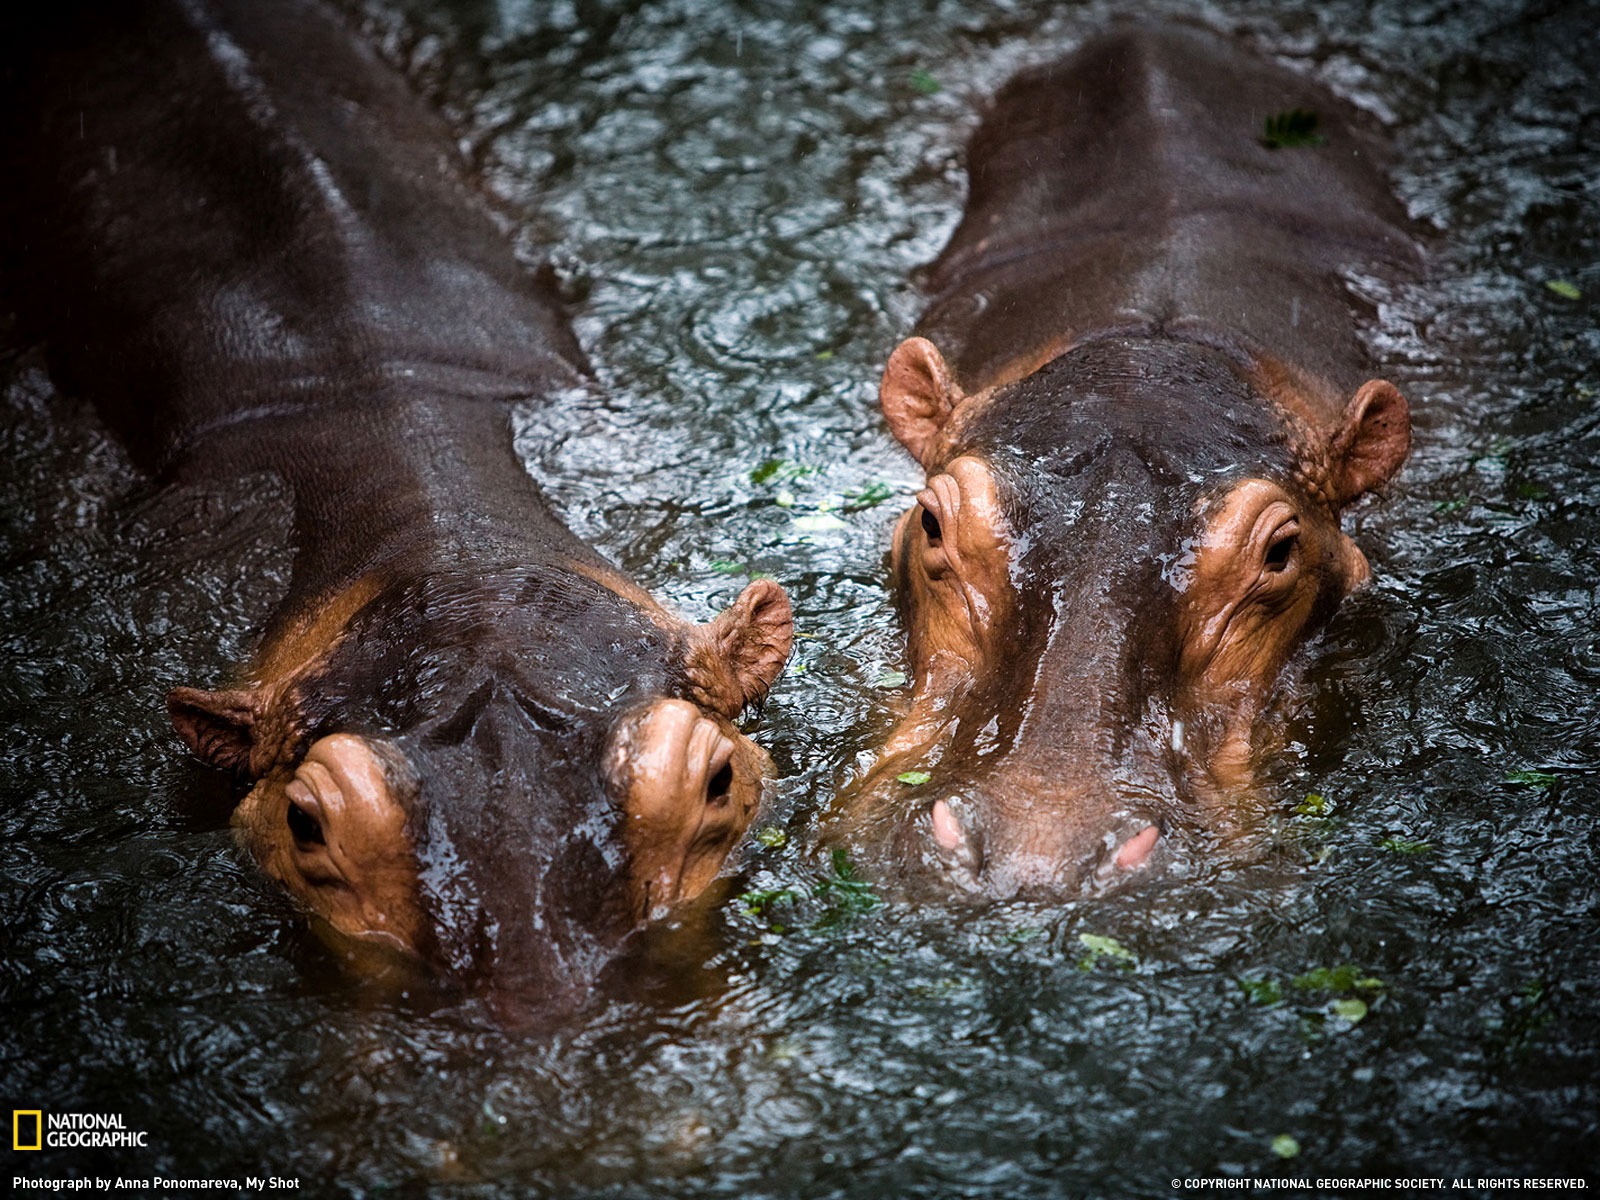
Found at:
[739, 194]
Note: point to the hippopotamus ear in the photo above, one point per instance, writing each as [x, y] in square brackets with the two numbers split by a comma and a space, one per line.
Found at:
[917, 395]
[1372, 441]
[218, 727]
[751, 639]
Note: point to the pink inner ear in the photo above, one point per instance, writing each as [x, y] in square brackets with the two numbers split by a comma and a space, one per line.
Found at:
[218, 727]
[917, 395]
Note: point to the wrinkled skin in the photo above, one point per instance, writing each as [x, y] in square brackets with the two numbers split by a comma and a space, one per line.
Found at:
[1142, 407]
[464, 736]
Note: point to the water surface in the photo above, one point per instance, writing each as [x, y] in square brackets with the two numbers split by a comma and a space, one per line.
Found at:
[738, 196]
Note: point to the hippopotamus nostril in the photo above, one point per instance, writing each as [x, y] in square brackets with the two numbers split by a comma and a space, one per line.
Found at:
[957, 846]
[1124, 855]
[1135, 852]
[947, 830]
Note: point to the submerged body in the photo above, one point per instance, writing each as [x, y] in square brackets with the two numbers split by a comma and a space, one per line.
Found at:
[466, 735]
[1141, 403]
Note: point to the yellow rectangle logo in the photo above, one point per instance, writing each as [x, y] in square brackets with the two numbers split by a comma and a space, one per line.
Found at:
[19, 1123]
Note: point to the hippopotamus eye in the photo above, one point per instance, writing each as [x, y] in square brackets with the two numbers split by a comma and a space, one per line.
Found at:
[720, 784]
[304, 827]
[1281, 546]
[930, 525]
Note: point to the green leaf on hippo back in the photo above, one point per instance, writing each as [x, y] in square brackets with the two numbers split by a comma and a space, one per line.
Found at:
[1564, 289]
[1293, 128]
[1099, 946]
[819, 522]
[1265, 992]
[924, 82]
[1400, 845]
[913, 778]
[1351, 1010]
[1313, 806]
[1532, 778]
[890, 679]
[1285, 1146]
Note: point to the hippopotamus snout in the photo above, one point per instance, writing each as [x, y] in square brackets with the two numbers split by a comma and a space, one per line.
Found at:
[1005, 837]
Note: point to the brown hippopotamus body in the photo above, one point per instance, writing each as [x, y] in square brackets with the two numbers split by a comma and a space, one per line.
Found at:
[466, 734]
[1141, 404]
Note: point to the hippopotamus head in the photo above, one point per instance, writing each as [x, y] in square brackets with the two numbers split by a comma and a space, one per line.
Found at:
[500, 773]
[1113, 561]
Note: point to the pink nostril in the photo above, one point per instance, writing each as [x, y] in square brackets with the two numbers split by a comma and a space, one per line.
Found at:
[946, 829]
[1137, 848]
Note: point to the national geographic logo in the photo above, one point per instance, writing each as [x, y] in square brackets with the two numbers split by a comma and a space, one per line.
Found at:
[27, 1129]
[31, 1129]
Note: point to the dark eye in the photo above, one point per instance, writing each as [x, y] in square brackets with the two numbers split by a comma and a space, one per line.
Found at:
[304, 828]
[1281, 550]
[930, 526]
[720, 784]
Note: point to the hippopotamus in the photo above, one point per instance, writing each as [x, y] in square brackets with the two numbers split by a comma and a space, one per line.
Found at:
[464, 736]
[1141, 401]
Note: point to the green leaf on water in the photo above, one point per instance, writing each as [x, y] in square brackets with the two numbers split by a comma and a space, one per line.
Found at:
[1285, 1146]
[846, 892]
[726, 566]
[1450, 506]
[1351, 1010]
[781, 470]
[823, 355]
[1526, 1013]
[924, 82]
[890, 679]
[1024, 935]
[817, 523]
[1344, 978]
[868, 497]
[757, 903]
[1100, 946]
[913, 778]
[1532, 778]
[1294, 128]
[1313, 806]
[772, 837]
[1400, 845]
[1567, 291]
[1265, 992]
